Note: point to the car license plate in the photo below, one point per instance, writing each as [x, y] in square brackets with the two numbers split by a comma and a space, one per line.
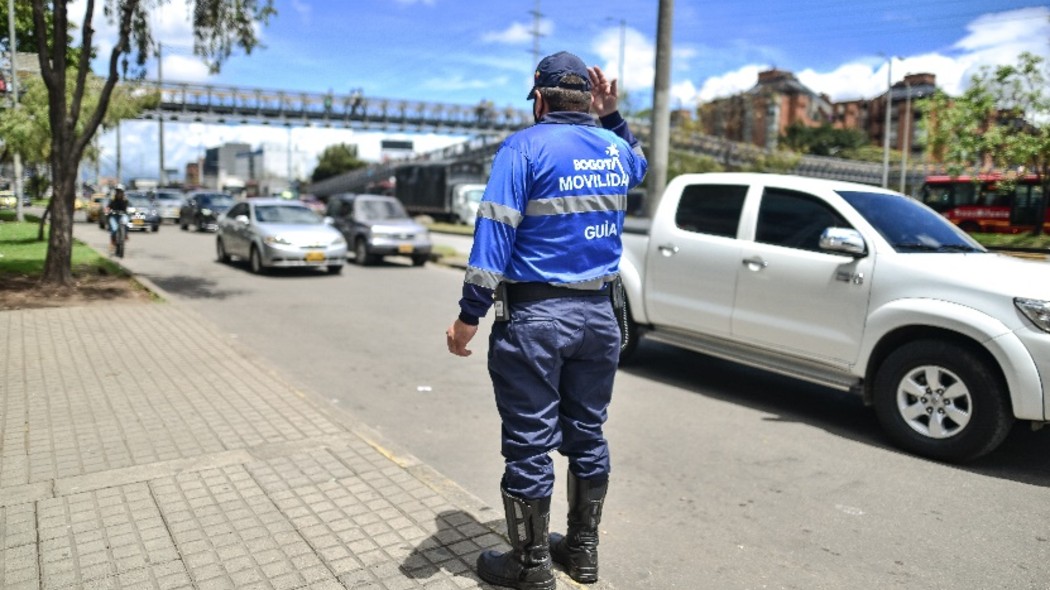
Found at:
[404, 248]
[314, 256]
[137, 221]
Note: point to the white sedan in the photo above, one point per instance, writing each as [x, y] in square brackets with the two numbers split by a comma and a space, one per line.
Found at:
[278, 233]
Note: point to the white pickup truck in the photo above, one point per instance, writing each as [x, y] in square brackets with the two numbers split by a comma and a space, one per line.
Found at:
[853, 287]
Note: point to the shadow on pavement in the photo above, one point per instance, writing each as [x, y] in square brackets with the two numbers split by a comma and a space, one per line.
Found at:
[193, 287]
[453, 548]
[1023, 457]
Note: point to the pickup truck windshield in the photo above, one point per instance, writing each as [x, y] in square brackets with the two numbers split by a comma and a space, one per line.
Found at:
[908, 225]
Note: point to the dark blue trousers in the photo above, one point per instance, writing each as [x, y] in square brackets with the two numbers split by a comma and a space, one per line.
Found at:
[552, 367]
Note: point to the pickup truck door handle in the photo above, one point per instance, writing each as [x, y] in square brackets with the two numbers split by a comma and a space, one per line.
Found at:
[668, 249]
[755, 263]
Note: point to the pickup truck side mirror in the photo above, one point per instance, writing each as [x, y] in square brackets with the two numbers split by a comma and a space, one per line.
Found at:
[328, 220]
[843, 240]
[242, 219]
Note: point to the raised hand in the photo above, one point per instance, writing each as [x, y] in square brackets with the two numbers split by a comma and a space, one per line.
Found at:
[603, 92]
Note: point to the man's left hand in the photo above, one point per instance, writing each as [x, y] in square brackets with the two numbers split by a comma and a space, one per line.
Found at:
[458, 335]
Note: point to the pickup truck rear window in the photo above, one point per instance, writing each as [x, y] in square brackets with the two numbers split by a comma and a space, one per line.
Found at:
[711, 209]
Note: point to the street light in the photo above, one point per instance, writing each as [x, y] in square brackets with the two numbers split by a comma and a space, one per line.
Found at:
[17, 184]
[907, 133]
[161, 179]
[886, 127]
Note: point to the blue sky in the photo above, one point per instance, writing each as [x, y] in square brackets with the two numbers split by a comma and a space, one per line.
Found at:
[466, 51]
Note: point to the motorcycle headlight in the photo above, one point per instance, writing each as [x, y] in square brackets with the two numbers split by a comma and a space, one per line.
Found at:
[1036, 310]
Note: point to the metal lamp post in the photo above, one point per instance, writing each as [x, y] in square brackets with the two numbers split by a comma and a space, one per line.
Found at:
[17, 184]
[906, 143]
[886, 127]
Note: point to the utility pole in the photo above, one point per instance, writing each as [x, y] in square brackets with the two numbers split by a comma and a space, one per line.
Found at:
[661, 122]
[161, 180]
[16, 185]
[907, 133]
[886, 127]
[536, 34]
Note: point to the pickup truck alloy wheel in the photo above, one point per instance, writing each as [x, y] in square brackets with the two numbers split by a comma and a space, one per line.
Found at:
[941, 400]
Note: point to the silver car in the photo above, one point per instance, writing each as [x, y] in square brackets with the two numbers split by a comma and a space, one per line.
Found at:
[378, 226]
[169, 203]
[278, 233]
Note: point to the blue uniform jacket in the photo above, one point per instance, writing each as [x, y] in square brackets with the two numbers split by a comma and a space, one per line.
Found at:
[553, 208]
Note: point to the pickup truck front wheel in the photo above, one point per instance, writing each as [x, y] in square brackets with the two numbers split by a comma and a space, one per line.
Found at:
[941, 400]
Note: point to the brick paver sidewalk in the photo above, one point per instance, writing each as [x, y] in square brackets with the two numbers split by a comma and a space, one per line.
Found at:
[140, 448]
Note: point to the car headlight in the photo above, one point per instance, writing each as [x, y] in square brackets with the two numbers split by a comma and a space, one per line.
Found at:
[206, 211]
[276, 240]
[1036, 310]
[339, 241]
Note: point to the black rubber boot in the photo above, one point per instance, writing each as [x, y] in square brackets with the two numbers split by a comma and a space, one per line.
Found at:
[527, 566]
[577, 551]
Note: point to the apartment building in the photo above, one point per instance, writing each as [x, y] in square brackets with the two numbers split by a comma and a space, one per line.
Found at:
[778, 100]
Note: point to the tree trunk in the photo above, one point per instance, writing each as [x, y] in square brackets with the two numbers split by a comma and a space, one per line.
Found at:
[1041, 205]
[57, 266]
[40, 237]
[1041, 213]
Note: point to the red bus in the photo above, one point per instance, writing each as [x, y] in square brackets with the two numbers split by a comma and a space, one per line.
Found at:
[980, 204]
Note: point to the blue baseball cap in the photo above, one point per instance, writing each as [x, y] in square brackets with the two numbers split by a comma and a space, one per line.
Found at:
[555, 67]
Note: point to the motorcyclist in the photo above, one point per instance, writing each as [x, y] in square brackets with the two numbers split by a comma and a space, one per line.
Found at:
[116, 214]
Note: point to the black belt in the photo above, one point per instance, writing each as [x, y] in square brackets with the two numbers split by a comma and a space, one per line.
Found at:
[519, 292]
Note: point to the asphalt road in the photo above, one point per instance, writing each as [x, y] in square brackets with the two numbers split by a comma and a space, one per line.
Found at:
[724, 477]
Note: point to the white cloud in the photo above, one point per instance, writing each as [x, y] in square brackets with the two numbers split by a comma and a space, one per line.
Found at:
[730, 83]
[518, 33]
[639, 58]
[992, 40]
[1026, 26]
[851, 81]
[684, 95]
[182, 68]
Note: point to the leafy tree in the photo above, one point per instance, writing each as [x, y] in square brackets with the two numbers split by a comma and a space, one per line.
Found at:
[682, 162]
[1002, 120]
[824, 140]
[335, 160]
[27, 130]
[25, 34]
[218, 25]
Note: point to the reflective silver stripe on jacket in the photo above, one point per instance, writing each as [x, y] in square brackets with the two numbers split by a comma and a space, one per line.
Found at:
[482, 278]
[500, 213]
[585, 204]
[588, 285]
